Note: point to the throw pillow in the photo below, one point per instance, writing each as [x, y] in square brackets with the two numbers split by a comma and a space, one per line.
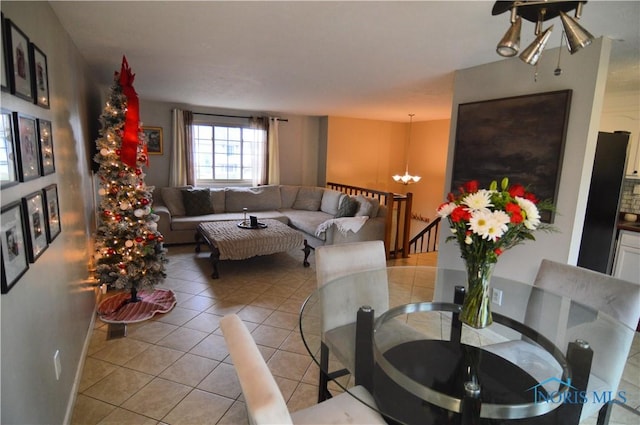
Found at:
[368, 206]
[308, 199]
[348, 207]
[197, 202]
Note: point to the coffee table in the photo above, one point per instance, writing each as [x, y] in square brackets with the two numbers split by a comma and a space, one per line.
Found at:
[228, 241]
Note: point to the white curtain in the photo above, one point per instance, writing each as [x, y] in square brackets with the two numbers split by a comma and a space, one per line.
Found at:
[181, 168]
[273, 149]
[266, 162]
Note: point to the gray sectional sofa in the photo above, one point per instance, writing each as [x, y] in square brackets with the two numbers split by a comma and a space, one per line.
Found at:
[305, 208]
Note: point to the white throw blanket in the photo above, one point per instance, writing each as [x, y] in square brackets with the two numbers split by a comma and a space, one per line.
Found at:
[344, 224]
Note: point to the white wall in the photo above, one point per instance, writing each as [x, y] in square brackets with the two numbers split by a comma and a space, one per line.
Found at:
[51, 306]
[299, 142]
[585, 73]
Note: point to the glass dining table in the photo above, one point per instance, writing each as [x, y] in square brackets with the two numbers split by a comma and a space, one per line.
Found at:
[423, 366]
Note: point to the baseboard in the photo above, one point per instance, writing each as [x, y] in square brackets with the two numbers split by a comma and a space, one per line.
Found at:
[76, 381]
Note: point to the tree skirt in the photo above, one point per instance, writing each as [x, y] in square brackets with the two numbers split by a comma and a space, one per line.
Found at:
[115, 309]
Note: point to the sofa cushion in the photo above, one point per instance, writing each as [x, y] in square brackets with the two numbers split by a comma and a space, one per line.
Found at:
[307, 221]
[217, 200]
[348, 207]
[261, 198]
[197, 201]
[330, 201]
[288, 195]
[172, 199]
[368, 206]
[309, 199]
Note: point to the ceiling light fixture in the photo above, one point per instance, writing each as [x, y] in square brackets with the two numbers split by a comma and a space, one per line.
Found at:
[538, 12]
[407, 178]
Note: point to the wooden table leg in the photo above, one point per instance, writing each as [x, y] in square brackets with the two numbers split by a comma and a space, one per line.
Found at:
[215, 259]
[307, 250]
[198, 241]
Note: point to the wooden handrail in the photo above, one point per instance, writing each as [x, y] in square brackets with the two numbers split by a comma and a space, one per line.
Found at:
[430, 233]
[401, 203]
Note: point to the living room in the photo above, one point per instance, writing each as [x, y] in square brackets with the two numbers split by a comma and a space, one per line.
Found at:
[53, 304]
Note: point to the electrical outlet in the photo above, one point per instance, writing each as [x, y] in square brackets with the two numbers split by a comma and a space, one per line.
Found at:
[56, 364]
[496, 296]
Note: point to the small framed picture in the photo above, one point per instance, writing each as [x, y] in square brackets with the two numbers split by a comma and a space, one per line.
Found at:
[52, 212]
[47, 164]
[27, 143]
[19, 62]
[3, 70]
[8, 163]
[154, 140]
[14, 252]
[35, 221]
[40, 77]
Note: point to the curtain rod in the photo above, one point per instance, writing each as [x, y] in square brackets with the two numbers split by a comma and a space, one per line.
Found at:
[233, 116]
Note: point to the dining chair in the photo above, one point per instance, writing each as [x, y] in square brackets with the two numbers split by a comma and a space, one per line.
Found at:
[264, 401]
[618, 305]
[340, 302]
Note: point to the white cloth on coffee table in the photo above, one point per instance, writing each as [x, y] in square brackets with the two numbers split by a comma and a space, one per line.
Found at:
[235, 243]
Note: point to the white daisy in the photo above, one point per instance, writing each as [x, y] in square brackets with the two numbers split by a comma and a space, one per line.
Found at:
[445, 209]
[531, 213]
[478, 201]
[479, 222]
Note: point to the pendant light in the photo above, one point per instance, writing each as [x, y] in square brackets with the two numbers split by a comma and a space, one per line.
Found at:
[407, 178]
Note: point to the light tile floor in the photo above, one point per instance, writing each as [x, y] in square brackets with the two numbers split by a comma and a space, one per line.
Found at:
[175, 369]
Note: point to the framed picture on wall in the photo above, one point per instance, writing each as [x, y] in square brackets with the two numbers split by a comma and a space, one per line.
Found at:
[19, 61]
[8, 162]
[35, 223]
[47, 164]
[520, 137]
[27, 143]
[3, 69]
[52, 212]
[40, 77]
[15, 261]
[154, 140]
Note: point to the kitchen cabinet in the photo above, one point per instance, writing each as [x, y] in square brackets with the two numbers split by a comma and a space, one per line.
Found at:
[627, 261]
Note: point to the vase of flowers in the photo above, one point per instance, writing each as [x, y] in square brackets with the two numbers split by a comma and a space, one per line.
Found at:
[485, 223]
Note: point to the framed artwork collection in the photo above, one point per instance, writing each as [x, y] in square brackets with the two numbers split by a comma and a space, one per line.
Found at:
[154, 140]
[30, 224]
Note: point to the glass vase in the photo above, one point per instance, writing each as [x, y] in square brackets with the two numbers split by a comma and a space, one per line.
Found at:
[476, 308]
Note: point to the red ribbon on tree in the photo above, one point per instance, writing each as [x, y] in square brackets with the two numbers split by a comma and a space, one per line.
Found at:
[130, 139]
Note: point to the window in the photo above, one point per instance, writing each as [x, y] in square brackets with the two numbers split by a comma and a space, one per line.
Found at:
[227, 153]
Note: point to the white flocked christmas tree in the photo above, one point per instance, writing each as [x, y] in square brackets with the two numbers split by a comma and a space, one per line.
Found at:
[129, 250]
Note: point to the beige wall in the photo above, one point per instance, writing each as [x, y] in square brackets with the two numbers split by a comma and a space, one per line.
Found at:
[367, 153]
[51, 306]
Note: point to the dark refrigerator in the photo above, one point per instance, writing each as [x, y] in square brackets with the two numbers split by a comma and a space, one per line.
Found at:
[599, 231]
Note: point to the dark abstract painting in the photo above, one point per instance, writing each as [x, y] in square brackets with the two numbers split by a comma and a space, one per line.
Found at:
[518, 137]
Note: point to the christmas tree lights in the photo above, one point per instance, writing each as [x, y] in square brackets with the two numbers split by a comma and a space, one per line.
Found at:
[129, 252]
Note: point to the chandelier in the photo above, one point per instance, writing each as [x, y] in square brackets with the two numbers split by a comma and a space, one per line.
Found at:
[538, 12]
[407, 178]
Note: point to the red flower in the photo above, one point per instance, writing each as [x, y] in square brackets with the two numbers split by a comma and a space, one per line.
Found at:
[471, 186]
[460, 214]
[516, 190]
[531, 197]
[450, 197]
[515, 212]
[498, 251]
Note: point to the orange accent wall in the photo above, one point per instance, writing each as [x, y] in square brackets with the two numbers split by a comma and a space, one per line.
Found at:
[367, 153]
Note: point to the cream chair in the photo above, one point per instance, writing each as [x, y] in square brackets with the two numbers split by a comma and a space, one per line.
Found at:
[340, 302]
[265, 404]
[609, 333]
